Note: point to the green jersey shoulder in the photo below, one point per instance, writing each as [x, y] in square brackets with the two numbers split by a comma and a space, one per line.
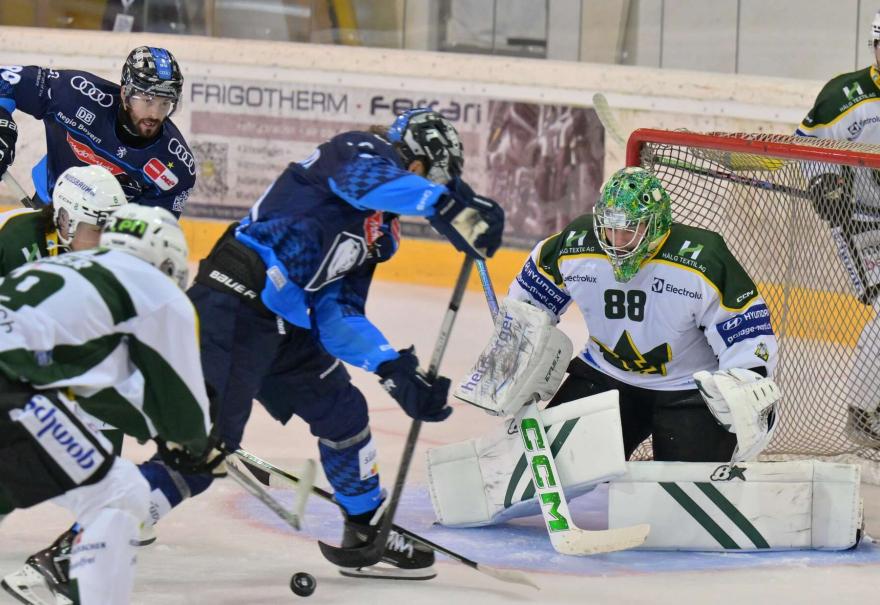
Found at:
[26, 235]
[705, 253]
[840, 95]
[576, 239]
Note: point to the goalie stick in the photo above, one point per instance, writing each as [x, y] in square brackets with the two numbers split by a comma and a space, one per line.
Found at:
[371, 552]
[17, 190]
[271, 476]
[565, 536]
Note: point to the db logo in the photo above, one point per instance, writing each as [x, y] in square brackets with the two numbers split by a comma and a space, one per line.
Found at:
[91, 91]
[85, 115]
[732, 324]
[160, 174]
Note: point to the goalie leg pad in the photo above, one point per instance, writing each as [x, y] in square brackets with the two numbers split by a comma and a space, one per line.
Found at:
[525, 357]
[739, 507]
[485, 480]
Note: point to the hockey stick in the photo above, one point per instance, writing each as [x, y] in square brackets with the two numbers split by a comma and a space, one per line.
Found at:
[565, 536]
[291, 517]
[603, 110]
[371, 552]
[17, 191]
[271, 476]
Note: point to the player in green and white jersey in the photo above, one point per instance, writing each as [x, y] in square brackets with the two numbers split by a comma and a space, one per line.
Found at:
[662, 302]
[847, 107]
[83, 198]
[100, 337]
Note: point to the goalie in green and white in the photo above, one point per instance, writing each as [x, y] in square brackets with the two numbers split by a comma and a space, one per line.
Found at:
[681, 349]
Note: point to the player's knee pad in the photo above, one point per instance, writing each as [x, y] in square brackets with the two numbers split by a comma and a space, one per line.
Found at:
[168, 488]
[351, 467]
[486, 480]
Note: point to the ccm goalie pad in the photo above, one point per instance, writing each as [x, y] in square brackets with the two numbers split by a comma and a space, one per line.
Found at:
[756, 506]
[485, 480]
[525, 360]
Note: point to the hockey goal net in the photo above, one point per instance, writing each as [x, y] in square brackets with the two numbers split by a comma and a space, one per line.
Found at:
[812, 244]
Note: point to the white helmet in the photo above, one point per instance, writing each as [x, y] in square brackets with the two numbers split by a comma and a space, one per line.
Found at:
[150, 233]
[875, 30]
[84, 194]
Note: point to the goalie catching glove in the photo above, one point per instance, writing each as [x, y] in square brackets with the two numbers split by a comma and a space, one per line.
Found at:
[744, 403]
[525, 359]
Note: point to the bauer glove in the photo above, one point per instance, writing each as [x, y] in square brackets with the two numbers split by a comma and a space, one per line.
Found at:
[420, 399]
[8, 137]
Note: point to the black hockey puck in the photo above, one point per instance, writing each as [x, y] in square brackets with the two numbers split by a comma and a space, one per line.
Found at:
[302, 583]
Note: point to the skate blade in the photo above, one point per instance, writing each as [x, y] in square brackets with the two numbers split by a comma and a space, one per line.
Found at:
[389, 572]
[21, 585]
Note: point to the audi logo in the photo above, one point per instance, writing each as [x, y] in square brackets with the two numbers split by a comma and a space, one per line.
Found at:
[182, 153]
[731, 324]
[91, 91]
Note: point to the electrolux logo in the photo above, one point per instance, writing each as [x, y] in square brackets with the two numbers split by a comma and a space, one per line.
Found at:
[657, 286]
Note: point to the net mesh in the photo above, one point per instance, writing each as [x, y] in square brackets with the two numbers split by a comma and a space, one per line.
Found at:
[803, 218]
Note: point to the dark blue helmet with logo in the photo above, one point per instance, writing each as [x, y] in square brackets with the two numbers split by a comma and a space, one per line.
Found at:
[423, 134]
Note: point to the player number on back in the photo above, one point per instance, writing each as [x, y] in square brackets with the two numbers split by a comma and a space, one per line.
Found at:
[620, 304]
[28, 289]
[10, 73]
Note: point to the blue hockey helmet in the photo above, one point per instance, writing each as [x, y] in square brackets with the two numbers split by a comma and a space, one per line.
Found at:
[423, 134]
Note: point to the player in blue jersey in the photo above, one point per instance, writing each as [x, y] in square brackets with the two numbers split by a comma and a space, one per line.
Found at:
[89, 120]
[282, 299]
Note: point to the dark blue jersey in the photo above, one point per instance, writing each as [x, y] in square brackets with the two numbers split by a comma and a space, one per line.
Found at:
[321, 228]
[79, 111]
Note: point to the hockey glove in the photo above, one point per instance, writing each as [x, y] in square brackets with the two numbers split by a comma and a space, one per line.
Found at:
[8, 137]
[832, 195]
[473, 224]
[420, 399]
[179, 458]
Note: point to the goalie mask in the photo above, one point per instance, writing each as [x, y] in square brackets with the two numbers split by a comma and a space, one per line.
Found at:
[425, 135]
[152, 234]
[632, 217]
[84, 196]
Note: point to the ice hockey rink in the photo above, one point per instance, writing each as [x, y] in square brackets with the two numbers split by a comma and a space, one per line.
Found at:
[225, 547]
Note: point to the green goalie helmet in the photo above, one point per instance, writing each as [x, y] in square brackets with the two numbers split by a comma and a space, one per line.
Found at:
[632, 217]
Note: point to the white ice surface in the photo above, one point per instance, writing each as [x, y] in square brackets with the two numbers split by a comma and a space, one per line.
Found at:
[225, 548]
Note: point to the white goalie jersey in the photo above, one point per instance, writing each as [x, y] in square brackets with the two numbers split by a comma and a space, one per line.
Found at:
[691, 306]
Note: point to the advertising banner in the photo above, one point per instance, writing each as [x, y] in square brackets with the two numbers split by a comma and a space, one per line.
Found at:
[542, 163]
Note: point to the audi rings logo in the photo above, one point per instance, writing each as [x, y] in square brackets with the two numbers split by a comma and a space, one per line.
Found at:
[732, 324]
[91, 91]
[182, 153]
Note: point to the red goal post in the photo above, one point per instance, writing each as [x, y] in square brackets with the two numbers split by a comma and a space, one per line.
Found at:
[802, 215]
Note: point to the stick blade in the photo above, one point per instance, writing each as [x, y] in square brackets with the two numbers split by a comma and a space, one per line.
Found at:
[583, 543]
[507, 575]
[360, 556]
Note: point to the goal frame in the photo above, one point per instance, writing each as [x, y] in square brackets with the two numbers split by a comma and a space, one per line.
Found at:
[809, 151]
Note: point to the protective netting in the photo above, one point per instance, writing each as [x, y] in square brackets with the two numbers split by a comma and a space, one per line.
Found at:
[803, 218]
